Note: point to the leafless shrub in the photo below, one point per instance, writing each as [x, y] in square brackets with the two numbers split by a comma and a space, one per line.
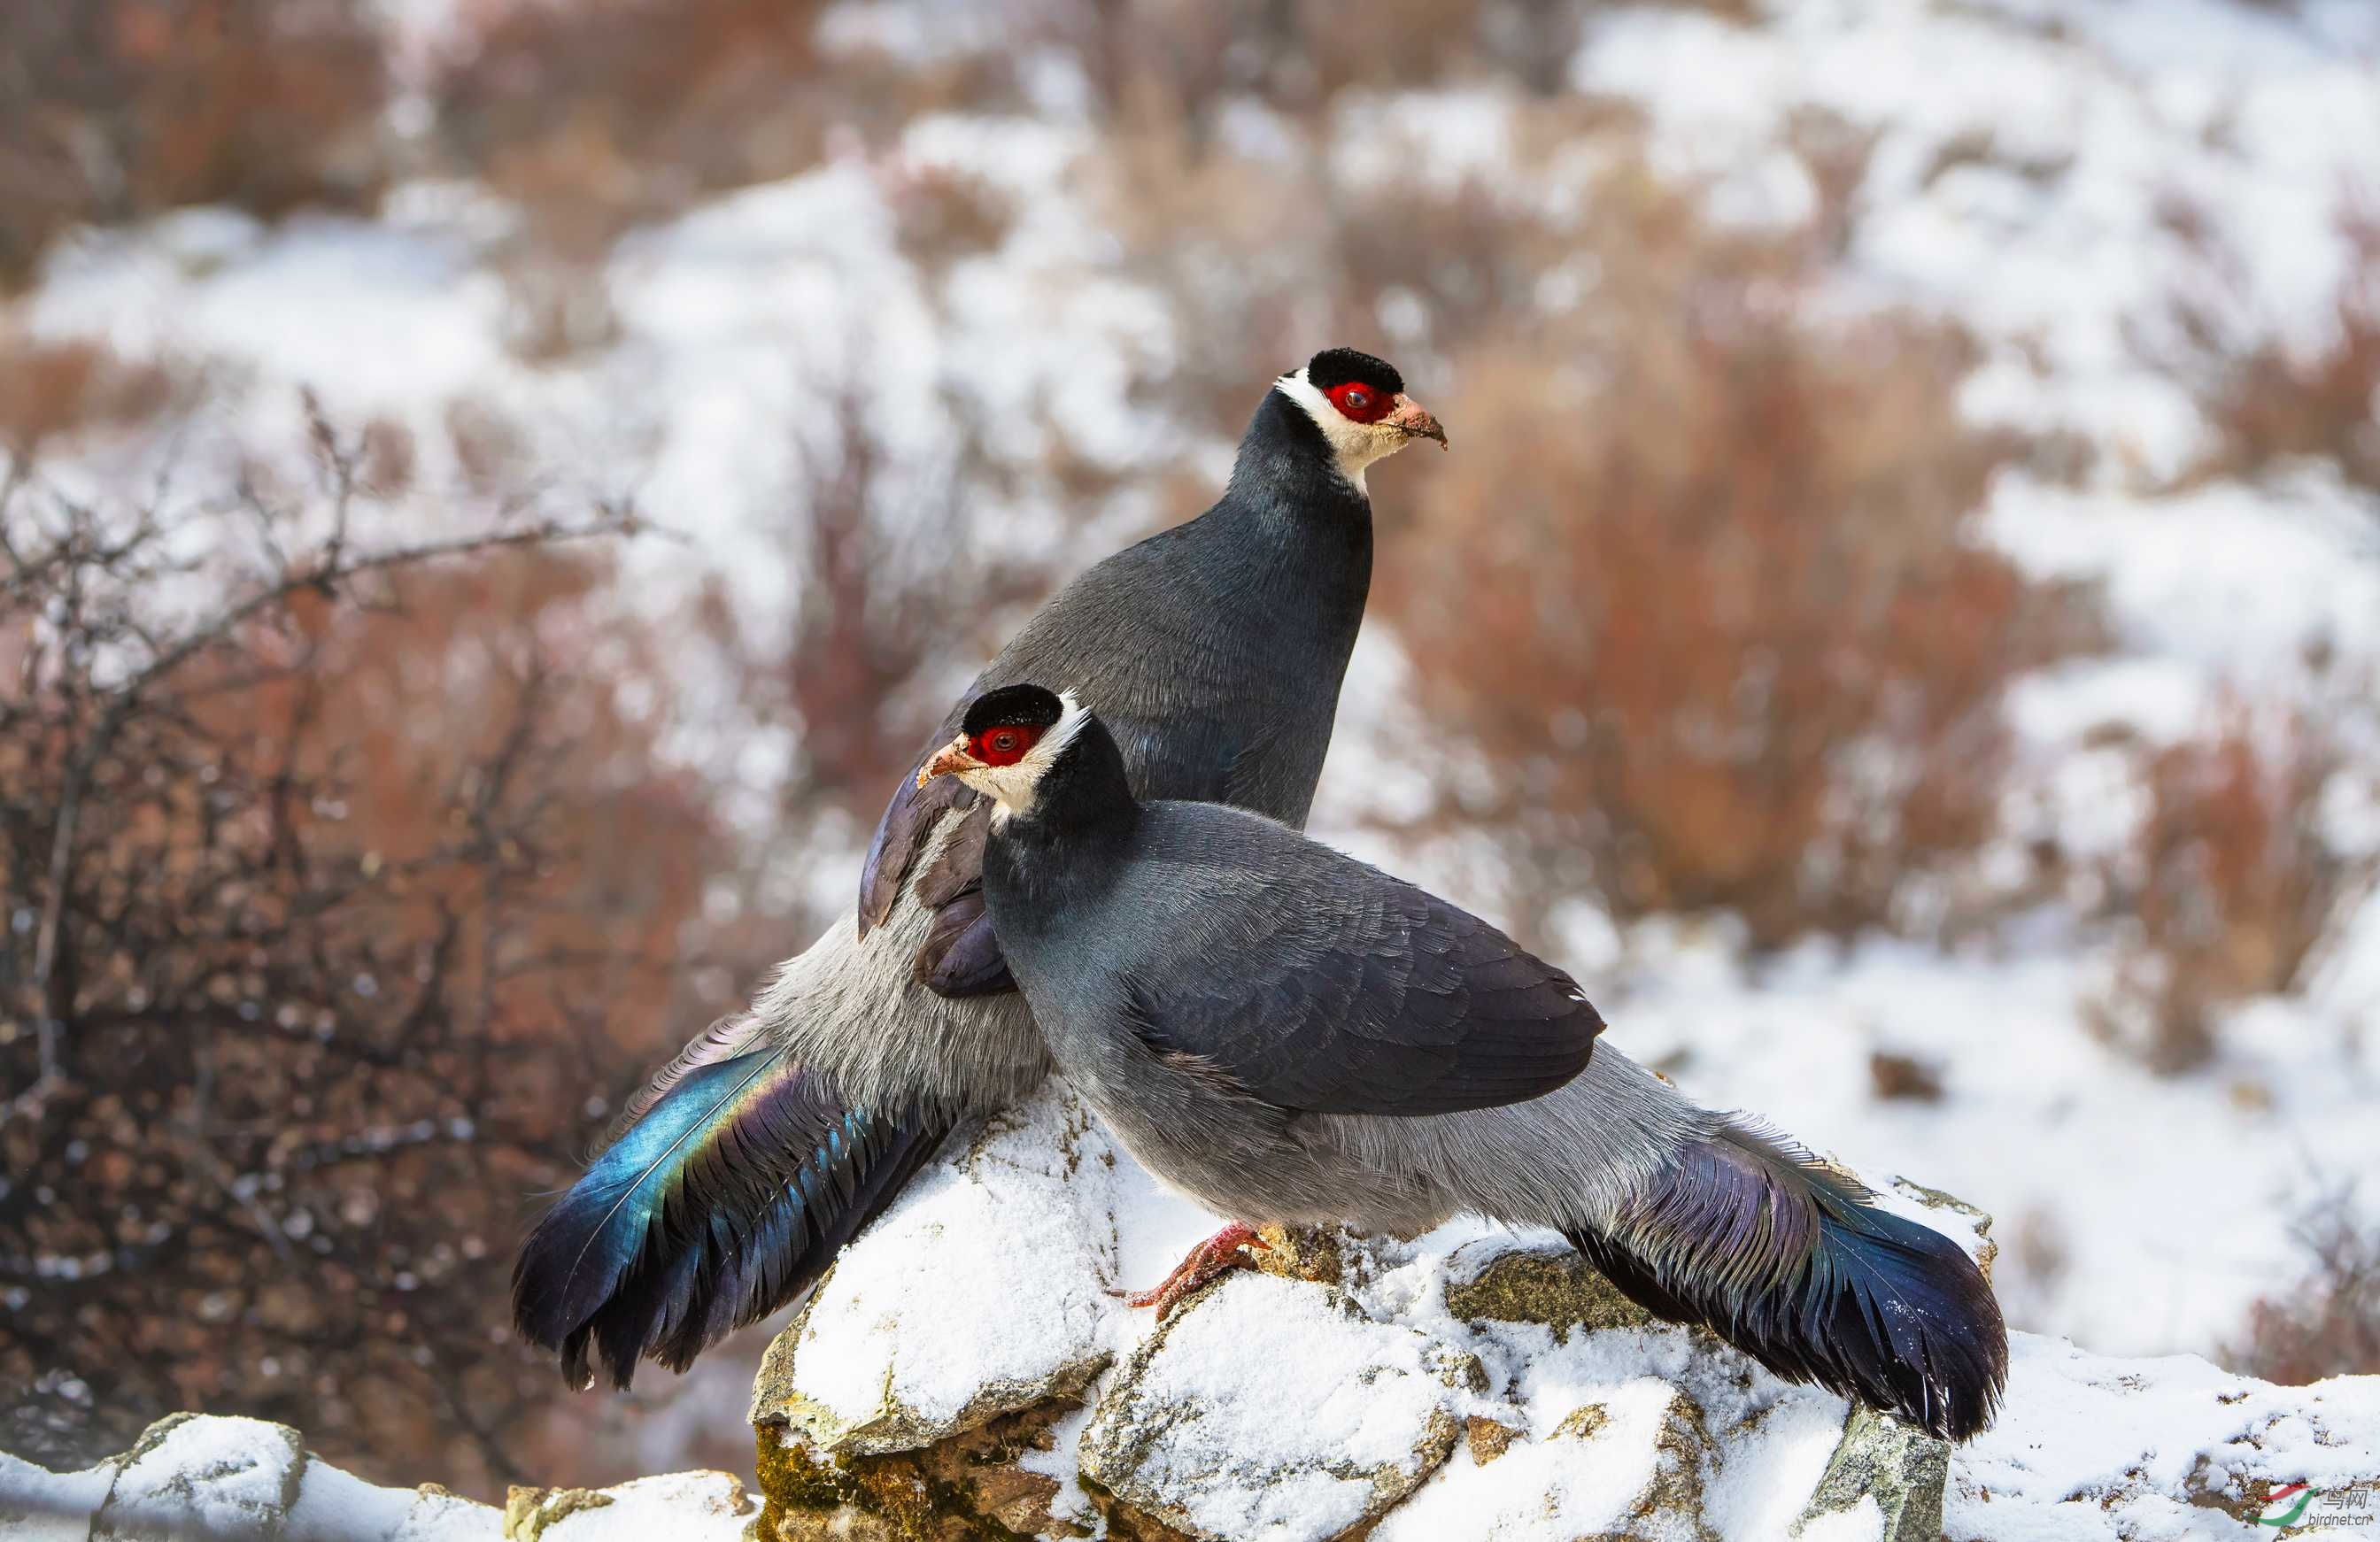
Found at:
[1765, 679]
[897, 601]
[2329, 1323]
[307, 887]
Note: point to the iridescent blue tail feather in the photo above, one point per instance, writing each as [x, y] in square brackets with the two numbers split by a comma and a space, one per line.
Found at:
[1792, 1263]
[728, 1197]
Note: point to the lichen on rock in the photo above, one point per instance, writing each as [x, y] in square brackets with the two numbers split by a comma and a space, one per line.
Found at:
[1487, 1439]
[1629, 1465]
[1493, 1281]
[971, 1486]
[531, 1512]
[1899, 1469]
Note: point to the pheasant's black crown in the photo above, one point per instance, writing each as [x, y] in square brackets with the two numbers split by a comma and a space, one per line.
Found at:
[1013, 707]
[1338, 366]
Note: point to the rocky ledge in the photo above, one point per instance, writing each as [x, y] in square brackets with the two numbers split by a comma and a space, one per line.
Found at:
[967, 1372]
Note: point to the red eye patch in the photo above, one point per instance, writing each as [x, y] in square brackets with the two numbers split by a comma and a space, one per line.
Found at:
[1003, 747]
[1361, 403]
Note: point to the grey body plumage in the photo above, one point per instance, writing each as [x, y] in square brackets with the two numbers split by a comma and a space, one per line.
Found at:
[1267, 1026]
[773, 1138]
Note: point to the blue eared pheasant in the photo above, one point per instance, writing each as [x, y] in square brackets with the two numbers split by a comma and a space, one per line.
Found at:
[1291, 1036]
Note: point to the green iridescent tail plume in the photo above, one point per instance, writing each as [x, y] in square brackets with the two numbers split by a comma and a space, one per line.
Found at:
[725, 1199]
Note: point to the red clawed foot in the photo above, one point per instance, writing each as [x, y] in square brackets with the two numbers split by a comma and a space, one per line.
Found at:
[1218, 1256]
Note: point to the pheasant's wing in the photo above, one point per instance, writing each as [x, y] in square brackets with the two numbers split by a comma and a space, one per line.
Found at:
[1333, 988]
[960, 956]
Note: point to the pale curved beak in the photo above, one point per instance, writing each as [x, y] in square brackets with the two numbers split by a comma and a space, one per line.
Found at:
[951, 757]
[1415, 419]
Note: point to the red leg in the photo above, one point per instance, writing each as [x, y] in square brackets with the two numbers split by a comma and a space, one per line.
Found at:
[1218, 1256]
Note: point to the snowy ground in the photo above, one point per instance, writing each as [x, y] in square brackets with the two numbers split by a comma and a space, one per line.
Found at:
[2025, 150]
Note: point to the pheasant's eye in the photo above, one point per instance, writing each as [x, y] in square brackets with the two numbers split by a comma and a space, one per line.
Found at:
[1005, 746]
[1358, 402]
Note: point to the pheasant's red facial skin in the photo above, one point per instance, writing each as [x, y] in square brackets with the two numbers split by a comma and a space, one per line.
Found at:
[1005, 745]
[1359, 403]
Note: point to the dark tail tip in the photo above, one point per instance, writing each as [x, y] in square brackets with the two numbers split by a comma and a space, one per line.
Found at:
[1789, 1263]
[1909, 1320]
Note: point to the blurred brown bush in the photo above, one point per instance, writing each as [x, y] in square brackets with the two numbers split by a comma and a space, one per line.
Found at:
[1706, 613]
[597, 113]
[2230, 885]
[1178, 61]
[115, 109]
[2273, 404]
[594, 116]
[47, 389]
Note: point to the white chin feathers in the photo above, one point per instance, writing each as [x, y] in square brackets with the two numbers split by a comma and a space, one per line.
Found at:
[1357, 445]
[1012, 788]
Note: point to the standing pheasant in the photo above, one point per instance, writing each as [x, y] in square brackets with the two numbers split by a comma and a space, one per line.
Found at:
[1289, 1035]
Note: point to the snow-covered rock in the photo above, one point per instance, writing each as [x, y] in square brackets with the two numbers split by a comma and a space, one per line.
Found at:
[197, 1479]
[1470, 1383]
[889, 1356]
[1190, 1431]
